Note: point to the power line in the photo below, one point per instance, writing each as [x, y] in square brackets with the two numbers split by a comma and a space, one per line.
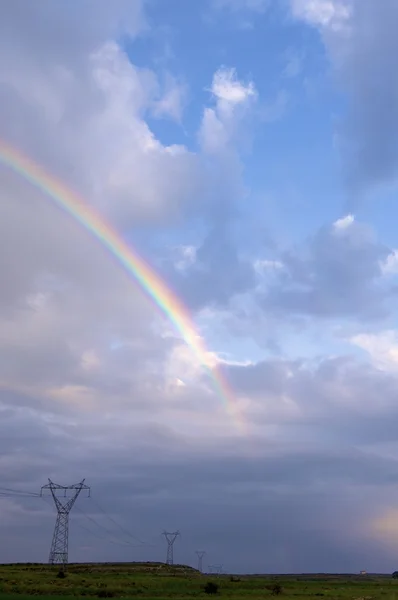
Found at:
[123, 529]
[98, 536]
[90, 518]
[64, 504]
[11, 492]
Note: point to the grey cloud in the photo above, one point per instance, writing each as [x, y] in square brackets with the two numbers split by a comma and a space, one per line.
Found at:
[258, 528]
[363, 50]
[277, 503]
[217, 274]
[32, 34]
[369, 75]
[248, 512]
[336, 274]
[331, 402]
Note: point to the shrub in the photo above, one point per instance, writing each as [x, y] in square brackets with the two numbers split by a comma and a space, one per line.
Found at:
[395, 575]
[106, 594]
[277, 589]
[61, 574]
[211, 588]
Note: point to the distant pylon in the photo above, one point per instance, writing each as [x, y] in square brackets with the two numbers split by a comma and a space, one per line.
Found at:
[170, 539]
[60, 541]
[200, 554]
[215, 569]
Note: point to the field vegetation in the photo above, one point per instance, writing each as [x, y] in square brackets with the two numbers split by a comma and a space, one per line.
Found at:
[152, 580]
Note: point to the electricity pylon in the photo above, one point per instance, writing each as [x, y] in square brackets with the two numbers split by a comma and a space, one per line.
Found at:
[59, 545]
[170, 539]
[200, 554]
[217, 569]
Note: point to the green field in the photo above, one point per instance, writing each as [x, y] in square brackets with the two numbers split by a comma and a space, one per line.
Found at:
[149, 580]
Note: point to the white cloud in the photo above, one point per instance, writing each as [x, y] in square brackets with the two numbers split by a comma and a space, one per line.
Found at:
[390, 265]
[233, 98]
[343, 223]
[333, 14]
[75, 329]
[382, 348]
[230, 92]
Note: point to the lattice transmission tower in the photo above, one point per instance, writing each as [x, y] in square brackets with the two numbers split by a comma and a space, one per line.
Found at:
[217, 569]
[200, 555]
[170, 539]
[64, 497]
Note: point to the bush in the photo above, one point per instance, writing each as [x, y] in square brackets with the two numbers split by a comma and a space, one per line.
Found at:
[395, 575]
[277, 589]
[235, 579]
[61, 574]
[105, 594]
[211, 588]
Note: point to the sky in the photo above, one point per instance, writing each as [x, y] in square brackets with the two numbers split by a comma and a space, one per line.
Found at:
[246, 150]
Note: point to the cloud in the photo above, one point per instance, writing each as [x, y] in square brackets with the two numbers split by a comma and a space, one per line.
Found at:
[390, 265]
[72, 322]
[165, 477]
[215, 271]
[172, 103]
[95, 383]
[382, 348]
[94, 113]
[232, 101]
[360, 40]
[343, 223]
[336, 273]
[329, 14]
[211, 274]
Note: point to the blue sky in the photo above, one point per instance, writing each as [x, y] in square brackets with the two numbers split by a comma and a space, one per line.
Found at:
[247, 149]
[291, 167]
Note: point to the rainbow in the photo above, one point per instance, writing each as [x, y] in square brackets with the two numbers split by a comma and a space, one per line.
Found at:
[149, 280]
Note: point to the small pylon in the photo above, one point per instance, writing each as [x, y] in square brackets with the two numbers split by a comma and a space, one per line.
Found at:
[170, 538]
[200, 555]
